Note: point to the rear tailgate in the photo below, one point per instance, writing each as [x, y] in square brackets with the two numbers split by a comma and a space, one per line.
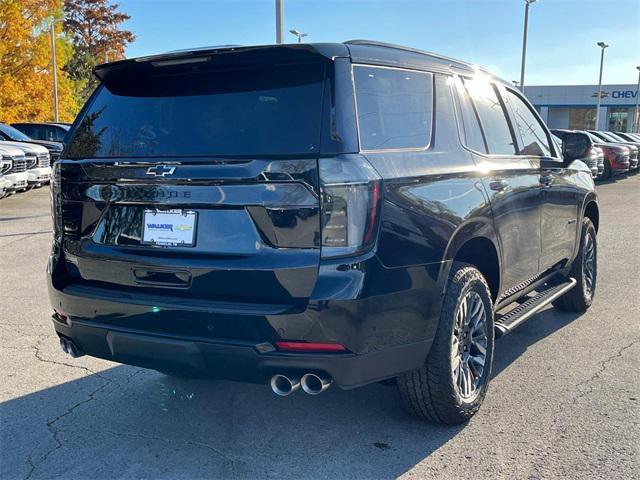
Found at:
[197, 180]
[252, 240]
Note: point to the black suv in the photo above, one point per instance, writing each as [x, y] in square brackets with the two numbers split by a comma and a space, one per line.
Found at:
[298, 215]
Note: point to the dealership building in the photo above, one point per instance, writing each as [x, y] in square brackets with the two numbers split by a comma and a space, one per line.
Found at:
[574, 106]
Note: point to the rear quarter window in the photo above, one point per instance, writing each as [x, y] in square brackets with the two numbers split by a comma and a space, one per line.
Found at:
[394, 106]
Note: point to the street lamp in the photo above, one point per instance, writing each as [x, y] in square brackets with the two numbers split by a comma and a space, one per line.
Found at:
[636, 113]
[298, 34]
[54, 68]
[602, 46]
[279, 21]
[524, 41]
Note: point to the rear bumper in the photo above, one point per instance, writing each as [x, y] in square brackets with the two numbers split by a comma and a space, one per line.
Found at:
[234, 360]
[385, 334]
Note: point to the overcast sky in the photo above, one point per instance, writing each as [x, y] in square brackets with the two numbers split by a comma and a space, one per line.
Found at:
[562, 33]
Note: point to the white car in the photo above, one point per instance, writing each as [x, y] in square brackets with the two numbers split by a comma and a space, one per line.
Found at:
[38, 162]
[16, 176]
[5, 166]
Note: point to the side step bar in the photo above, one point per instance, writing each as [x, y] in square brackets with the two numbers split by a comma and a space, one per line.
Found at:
[507, 322]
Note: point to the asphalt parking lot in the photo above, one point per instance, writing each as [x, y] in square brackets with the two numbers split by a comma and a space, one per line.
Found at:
[564, 401]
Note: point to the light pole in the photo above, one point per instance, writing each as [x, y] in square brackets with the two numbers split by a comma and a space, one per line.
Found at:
[279, 21]
[602, 46]
[54, 69]
[524, 41]
[298, 34]
[636, 113]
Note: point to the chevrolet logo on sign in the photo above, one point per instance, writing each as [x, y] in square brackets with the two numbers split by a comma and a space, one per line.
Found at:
[160, 170]
[183, 228]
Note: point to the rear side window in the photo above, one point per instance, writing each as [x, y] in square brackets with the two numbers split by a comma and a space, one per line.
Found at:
[473, 137]
[532, 134]
[395, 107]
[272, 109]
[492, 116]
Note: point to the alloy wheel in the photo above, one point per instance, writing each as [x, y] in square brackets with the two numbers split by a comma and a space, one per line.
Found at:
[588, 265]
[469, 346]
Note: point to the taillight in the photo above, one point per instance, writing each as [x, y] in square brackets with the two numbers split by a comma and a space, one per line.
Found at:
[56, 202]
[350, 202]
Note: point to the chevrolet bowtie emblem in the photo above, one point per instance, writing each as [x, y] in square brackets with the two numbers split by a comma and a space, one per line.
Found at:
[160, 170]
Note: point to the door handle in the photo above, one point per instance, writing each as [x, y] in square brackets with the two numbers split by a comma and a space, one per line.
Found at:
[498, 184]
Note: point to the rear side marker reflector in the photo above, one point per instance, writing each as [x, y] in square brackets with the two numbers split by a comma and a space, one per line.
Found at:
[310, 347]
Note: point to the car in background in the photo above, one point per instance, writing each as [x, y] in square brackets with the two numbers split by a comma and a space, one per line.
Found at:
[38, 162]
[634, 147]
[577, 146]
[616, 157]
[5, 166]
[11, 134]
[16, 173]
[52, 132]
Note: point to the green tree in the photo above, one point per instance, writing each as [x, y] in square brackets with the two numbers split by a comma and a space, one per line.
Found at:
[94, 27]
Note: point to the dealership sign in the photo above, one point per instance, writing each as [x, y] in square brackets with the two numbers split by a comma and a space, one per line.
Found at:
[623, 94]
[617, 94]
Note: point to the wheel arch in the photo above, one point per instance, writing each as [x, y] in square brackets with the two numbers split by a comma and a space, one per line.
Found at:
[591, 210]
[476, 243]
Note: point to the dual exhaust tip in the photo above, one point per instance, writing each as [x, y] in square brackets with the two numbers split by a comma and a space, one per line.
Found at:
[311, 384]
[70, 348]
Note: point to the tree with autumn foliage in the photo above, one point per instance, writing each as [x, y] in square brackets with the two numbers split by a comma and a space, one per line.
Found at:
[94, 29]
[26, 80]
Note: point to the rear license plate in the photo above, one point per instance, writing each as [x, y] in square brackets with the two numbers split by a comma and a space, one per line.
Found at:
[175, 228]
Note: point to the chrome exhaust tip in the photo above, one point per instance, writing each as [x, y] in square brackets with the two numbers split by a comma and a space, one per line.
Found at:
[63, 345]
[315, 384]
[282, 385]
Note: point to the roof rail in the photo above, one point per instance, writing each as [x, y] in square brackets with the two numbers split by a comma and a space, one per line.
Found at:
[374, 43]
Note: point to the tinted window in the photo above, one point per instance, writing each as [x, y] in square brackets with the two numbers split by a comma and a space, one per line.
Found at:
[492, 116]
[533, 136]
[11, 133]
[27, 130]
[394, 107]
[248, 111]
[470, 123]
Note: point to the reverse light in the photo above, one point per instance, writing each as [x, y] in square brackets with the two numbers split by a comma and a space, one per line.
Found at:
[310, 347]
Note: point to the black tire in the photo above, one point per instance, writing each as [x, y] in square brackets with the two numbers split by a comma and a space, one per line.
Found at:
[580, 297]
[432, 392]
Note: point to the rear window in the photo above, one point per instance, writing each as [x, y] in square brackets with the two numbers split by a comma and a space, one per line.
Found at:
[394, 107]
[243, 111]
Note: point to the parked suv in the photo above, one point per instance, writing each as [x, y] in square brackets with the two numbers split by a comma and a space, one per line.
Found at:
[9, 133]
[14, 170]
[52, 132]
[299, 215]
[617, 156]
[612, 138]
[38, 162]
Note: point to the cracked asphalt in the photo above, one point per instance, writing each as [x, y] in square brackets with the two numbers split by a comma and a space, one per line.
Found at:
[564, 401]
